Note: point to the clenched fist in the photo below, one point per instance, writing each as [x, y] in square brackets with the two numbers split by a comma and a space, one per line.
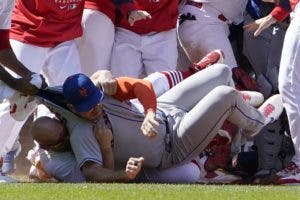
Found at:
[133, 167]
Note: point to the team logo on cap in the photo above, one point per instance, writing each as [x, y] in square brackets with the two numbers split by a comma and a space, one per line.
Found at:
[83, 92]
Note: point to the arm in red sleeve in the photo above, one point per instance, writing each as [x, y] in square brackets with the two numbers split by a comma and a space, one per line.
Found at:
[283, 9]
[279, 13]
[4, 39]
[131, 88]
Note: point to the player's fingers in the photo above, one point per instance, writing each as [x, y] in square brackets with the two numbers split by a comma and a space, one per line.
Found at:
[131, 21]
[250, 27]
[148, 15]
[154, 122]
[258, 31]
[141, 159]
[132, 168]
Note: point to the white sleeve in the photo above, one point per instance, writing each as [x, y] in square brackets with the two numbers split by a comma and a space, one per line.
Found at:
[6, 7]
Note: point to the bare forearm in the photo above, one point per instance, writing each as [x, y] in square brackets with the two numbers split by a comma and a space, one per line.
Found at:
[96, 173]
[9, 60]
[7, 78]
[108, 158]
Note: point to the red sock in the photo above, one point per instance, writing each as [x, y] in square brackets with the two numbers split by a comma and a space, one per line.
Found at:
[175, 77]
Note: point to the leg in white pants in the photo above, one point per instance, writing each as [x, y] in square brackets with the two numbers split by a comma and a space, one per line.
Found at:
[204, 34]
[133, 53]
[96, 43]
[289, 81]
[55, 63]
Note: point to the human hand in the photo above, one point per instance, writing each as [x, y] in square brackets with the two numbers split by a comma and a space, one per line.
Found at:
[149, 126]
[103, 135]
[137, 15]
[259, 25]
[133, 167]
[103, 79]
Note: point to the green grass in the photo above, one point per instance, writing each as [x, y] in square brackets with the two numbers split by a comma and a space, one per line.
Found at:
[55, 191]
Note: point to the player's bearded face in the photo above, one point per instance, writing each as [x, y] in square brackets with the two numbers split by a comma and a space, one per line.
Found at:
[93, 114]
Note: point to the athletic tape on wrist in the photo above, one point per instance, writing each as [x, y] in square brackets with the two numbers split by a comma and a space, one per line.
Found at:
[36, 80]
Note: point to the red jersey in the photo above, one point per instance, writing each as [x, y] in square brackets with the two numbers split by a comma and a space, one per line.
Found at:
[280, 12]
[164, 15]
[46, 23]
[105, 6]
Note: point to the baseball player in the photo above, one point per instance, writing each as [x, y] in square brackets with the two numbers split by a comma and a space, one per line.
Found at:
[203, 26]
[55, 158]
[288, 82]
[42, 37]
[184, 174]
[289, 89]
[174, 131]
[145, 40]
[8, 83]
[9, 60]
[95, 45]
[26, 82]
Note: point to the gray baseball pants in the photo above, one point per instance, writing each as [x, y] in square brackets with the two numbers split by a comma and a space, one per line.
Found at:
[207, 101]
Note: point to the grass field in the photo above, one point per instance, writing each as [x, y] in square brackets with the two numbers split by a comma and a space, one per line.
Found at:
[41, 191]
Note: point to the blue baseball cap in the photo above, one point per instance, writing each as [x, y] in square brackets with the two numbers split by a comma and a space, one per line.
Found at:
[81, 92]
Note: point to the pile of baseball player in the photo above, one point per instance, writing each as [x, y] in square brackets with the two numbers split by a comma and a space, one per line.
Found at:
[156, 91]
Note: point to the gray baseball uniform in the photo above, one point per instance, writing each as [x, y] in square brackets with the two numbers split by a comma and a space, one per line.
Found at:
[189, 115]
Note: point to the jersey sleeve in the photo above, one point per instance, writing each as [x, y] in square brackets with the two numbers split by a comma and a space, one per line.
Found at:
[280, 13]
[283, 9]
[84, 144]
[4, 39]
[131, 88]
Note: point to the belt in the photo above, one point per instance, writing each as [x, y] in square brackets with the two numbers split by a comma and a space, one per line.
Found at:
[200, 5]
[168, 137]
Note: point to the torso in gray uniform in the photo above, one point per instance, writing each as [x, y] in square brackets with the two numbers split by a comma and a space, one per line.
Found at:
[126, 120]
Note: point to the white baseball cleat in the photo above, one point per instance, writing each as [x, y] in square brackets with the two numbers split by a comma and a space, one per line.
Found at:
[288, 170]
[21, 106]
[253, 98]
[272, 108]
[292, 179]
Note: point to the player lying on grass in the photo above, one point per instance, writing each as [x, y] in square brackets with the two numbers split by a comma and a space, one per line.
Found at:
[170, 141]
[162, 82]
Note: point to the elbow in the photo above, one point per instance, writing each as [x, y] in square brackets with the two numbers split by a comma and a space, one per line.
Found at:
[89, 171]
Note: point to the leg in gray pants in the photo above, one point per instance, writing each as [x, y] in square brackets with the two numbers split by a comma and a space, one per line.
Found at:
[208, 102]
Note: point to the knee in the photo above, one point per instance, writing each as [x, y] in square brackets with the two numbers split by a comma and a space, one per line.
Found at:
[225, 92]
[223, 70]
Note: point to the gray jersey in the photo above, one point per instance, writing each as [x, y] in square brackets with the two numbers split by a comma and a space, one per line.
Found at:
[82, 137]
[126, 120]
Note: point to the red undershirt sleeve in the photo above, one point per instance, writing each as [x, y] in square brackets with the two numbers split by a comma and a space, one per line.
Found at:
[131, 88]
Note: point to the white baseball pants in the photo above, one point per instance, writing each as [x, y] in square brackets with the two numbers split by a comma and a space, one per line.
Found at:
[95, 45]
[56, 64]
[204, 34]
[289, 80]
[135, 54]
